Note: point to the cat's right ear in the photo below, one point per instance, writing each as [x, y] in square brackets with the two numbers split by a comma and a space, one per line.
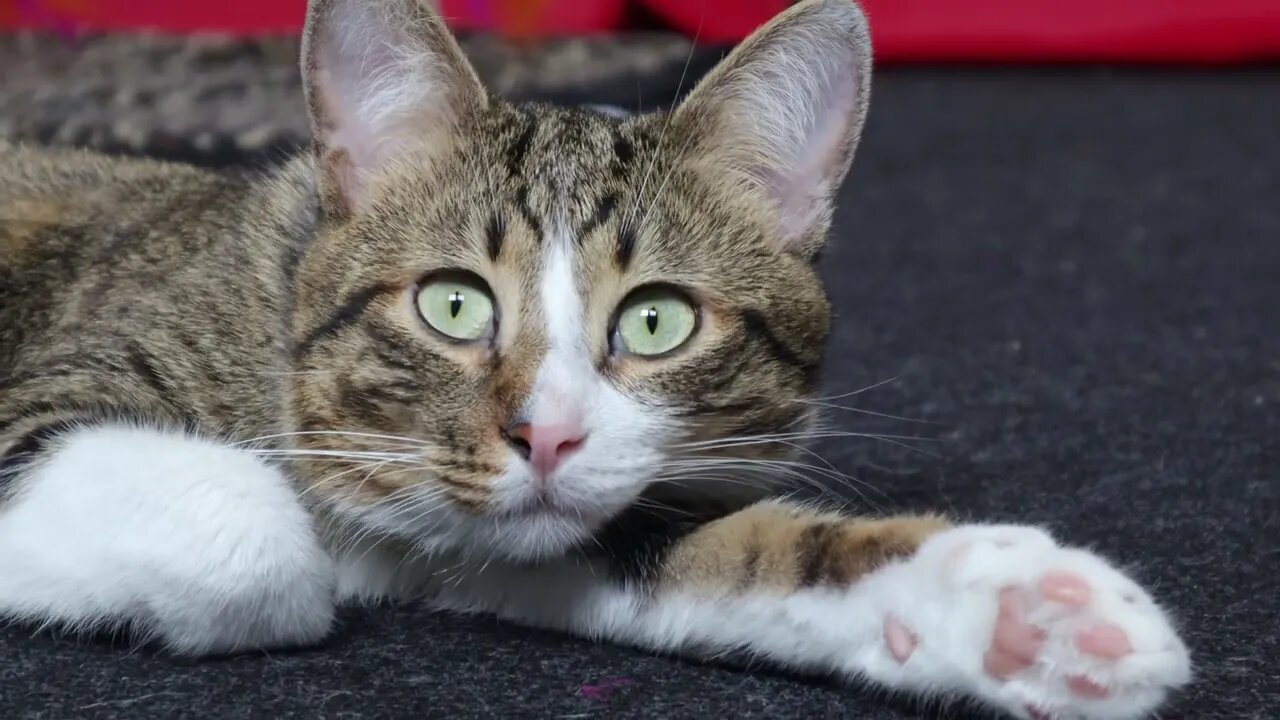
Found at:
[380, 77]
[779, 119]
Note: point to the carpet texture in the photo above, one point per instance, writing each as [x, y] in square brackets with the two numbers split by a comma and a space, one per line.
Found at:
[1072, 275]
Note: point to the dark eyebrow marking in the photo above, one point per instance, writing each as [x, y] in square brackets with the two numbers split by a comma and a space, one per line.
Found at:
[515, 158]
[495, 233]
[522, 199]
[344, 316]
[757, 326]
[604, 210]
[626, 245]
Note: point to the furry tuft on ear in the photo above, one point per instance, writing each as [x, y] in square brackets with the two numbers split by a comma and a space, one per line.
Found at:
[782, 115]
[380, 77]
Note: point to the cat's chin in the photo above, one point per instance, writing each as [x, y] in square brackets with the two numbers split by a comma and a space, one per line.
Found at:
[528, 532]
[535, 534]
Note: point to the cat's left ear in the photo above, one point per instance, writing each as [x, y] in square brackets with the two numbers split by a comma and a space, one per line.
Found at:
[381, 77]
[782, 115]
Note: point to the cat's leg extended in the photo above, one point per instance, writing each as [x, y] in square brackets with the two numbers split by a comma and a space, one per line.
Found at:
[199, 546]
[1001, 614]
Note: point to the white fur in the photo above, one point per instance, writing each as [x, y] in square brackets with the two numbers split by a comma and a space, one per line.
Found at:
[946, 594]
[208, 549]
[563, 387]
[202, 546]
[623, 440]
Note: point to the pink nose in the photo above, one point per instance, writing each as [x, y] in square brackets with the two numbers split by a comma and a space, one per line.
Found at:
[546, 446]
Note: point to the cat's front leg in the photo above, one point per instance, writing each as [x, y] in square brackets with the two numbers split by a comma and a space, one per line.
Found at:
[201, 546]
[997, 613]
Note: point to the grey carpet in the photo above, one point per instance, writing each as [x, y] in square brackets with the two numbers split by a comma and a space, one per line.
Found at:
[1074, 275]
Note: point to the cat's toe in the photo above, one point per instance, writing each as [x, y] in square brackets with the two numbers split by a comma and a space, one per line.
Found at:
[1043, 631]
[1082, 640]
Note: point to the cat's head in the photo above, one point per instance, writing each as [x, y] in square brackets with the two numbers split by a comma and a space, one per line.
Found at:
[516, 319]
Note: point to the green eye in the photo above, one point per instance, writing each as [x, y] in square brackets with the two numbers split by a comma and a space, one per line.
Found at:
[654, 321]
[459, 306]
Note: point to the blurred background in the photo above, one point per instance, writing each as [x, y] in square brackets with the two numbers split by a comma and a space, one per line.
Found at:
[210, 81]
[905, 30]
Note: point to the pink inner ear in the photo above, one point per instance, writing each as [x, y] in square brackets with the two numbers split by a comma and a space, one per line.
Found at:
[802, 185]
[346, 140]
[360, 103]
[379, 85]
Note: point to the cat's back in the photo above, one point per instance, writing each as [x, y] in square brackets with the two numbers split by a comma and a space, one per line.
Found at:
[68, 204]
[88, 241]
[45, 193]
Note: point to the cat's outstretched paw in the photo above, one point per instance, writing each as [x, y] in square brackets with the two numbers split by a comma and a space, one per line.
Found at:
[1042, 631]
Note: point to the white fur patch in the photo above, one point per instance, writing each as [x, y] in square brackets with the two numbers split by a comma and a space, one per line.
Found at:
[201, 546]
[566, 382]
[947, 595]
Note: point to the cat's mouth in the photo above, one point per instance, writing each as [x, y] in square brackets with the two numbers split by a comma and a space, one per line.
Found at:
[549, 506]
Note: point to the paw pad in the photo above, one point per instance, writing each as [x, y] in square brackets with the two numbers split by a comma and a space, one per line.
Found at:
[900, 641]
[1065, 588]
[1106, 641]
[1048, 632]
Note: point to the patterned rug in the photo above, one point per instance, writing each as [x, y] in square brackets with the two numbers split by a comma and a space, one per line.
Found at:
[217, 99]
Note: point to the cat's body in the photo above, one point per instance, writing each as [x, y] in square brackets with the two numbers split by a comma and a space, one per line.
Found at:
[167, 280]
[520, 360]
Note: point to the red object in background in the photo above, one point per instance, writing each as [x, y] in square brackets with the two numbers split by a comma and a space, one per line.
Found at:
[904, 30]
[173, 16]
[1142, 31]
[1026, 30]
[535, 18]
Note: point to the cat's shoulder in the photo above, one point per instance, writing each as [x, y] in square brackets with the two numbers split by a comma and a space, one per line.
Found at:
[27, 170]
[62, 203]
[43, 190]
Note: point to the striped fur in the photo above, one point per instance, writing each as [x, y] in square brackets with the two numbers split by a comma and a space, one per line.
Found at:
[222, 412]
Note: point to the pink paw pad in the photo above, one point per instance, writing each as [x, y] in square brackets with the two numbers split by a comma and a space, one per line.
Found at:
[1041, 631]
[1016, 642]
[1065, 588]
[1105, 641]
[900, 641]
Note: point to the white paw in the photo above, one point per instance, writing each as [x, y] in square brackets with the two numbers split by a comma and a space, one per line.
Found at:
[199, 546]
[1005, 614]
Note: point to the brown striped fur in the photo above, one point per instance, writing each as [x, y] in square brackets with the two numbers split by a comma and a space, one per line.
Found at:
[780, 548]
[246, 307]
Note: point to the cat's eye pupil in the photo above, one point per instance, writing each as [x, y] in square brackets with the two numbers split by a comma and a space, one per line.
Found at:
[459, 306]
[651, 319]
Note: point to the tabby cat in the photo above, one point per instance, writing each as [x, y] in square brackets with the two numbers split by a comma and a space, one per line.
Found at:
[513, 359]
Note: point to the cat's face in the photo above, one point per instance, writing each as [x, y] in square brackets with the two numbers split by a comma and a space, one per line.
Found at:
[528, 317]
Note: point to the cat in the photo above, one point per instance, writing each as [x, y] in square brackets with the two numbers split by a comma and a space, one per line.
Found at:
[542, 363]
